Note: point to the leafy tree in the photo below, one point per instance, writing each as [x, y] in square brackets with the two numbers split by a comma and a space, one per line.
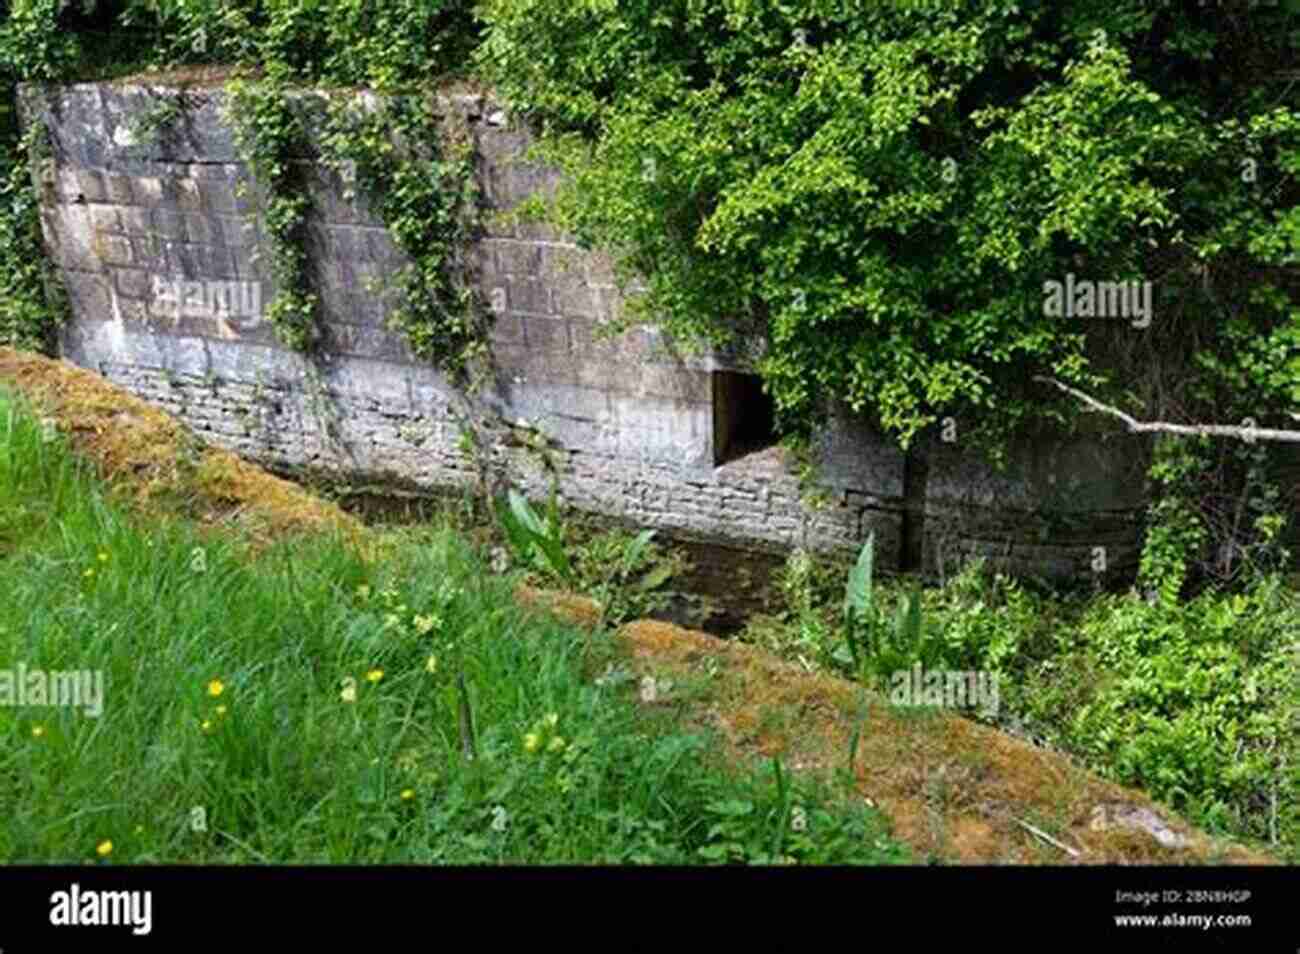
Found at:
[879, 191]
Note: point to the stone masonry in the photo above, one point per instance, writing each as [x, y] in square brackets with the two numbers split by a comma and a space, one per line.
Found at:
[132, 228]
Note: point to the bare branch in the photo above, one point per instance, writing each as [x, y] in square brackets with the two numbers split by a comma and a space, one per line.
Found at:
[1192, 430]
[1038, 832]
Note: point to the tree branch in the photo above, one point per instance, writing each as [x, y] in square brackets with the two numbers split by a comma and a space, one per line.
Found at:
[1192, 430]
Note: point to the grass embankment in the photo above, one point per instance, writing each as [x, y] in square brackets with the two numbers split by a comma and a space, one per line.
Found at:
[277, 610]
[295, 701]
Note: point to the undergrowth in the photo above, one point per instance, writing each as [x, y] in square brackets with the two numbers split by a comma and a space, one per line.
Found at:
[1194, 702]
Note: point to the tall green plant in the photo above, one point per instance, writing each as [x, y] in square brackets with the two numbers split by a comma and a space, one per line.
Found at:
[861, 617]
[536, 541]
[32, 49]
[875, 644]
[626, 573]
[34, 303]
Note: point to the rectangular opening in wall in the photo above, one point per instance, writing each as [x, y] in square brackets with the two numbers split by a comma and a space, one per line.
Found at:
[744, 418]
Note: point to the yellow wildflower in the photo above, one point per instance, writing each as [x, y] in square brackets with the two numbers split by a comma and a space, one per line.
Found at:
[374, 675]
[216, 687]
[408, 761]
[104, 849]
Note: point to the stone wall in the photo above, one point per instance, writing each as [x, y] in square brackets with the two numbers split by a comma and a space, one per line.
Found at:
[631, 420]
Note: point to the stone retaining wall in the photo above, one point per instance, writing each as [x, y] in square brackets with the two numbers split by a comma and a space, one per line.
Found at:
[631, 421]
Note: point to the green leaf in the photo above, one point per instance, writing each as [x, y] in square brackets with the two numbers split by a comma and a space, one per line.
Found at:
[531, 532]
[632, 555]
[858, 596]
[656, 577]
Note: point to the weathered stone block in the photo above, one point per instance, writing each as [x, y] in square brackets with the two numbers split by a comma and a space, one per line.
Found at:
[509, 329]
[117, 189]
[237, 230]
[89, 294]
[519, 259]
[113, 249]
[585, 339]
[92, 185]
[547, 334]
[148, 190]
[529, 296]
[169, 224]
[134, 220]
[103, 218]
[69, 236]
[134, 282]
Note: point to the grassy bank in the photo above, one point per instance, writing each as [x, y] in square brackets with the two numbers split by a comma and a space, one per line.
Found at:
[301, 704]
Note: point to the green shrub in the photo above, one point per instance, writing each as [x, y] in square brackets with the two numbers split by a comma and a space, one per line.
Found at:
[32, 45]
[881, 190]
[34, 303]
[381, 44]
[1194, 702]
[625, 573]
[1219, 517]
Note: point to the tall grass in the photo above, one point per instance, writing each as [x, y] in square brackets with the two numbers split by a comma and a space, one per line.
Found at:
[301, 705]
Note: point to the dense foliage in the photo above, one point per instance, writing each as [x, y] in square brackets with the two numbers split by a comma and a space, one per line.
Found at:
[426, 195]
[1194, 702]
[881, 190]
[878, 190]
[375, 43]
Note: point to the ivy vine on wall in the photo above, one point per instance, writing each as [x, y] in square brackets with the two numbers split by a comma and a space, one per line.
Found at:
[34, 304]
[270, 136]
[416, 168]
